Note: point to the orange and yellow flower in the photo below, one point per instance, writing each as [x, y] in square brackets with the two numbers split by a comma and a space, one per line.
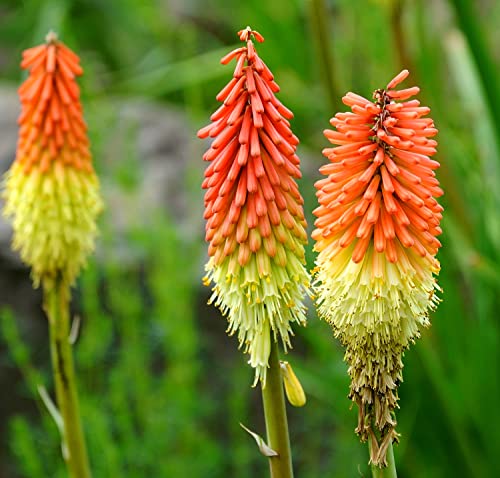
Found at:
[376, 229]
[51, 190]
[255, 220]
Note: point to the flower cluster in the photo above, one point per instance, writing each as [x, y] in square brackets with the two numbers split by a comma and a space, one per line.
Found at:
[376, 229]
[255, 220]
[51, 190]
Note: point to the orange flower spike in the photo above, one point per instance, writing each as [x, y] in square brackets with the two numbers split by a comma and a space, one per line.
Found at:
[255, 221]
[376, 229]
[51, 189]
[51, 95]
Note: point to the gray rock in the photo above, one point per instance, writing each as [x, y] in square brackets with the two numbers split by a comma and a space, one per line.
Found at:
[144, 155]
[9, 112]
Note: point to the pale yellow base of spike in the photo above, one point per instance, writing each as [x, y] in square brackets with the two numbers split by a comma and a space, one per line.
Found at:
[377, 309]
[258, 302]
[54, 218]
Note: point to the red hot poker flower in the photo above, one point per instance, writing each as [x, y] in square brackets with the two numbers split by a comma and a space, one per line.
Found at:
[376, 231]
[51, 189]
[255, 220]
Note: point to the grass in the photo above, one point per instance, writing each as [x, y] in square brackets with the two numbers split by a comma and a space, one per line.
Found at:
[163, 388]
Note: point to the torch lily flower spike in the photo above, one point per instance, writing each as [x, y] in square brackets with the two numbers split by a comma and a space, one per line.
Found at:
[52, 194]
[376, 229]
[51, 190]
[255, 220]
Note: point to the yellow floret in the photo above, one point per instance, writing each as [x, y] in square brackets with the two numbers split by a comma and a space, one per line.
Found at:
[54, 218]
[258, 303]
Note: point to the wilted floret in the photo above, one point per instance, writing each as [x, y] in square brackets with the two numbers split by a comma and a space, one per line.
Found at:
[255, 220]
[376, 231]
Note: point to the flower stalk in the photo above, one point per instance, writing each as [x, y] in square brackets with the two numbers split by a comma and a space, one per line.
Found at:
[56, 305]
[273, 399]
[320, 28]
[52, 196]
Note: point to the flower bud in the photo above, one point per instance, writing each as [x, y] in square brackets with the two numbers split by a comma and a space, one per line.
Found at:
[293, 388]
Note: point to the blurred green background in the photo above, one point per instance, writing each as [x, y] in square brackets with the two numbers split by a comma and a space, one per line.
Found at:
[163, 389]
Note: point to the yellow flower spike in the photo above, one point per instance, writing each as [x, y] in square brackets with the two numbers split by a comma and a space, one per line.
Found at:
[293, 388]
[51, 191]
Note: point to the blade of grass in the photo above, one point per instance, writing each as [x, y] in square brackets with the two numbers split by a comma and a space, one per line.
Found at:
[468, 19]
[176, 76]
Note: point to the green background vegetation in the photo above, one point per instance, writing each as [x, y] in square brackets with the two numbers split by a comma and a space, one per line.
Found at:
[163, 390]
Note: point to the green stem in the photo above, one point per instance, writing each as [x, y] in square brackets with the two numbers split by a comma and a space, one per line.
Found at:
[390, 470]
[56, 304]
[320, 29]
[399, 37]
[273, 399]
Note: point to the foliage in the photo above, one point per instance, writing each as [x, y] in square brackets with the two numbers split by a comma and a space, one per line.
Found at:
[163, 390]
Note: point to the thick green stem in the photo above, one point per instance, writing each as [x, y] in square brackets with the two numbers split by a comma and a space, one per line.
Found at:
[57, 297]
[276, 422]
[390, 470]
